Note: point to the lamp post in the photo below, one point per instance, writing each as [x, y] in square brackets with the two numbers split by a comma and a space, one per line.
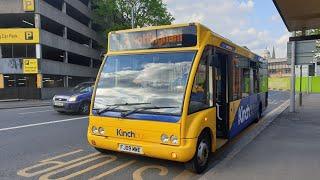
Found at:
[133, 5]
[132, 17]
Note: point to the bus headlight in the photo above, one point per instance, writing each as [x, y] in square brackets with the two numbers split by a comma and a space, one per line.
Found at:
[95, 130]
[101, 131]
[164, 138]
[174, 140]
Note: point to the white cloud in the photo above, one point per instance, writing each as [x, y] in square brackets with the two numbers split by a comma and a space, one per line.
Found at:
[276, 18]
[283, 39]
[246, 5]
[229, 18]
[196, 17]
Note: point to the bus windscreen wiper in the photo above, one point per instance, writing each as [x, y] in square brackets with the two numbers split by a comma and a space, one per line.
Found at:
[114, 106]
[125, 114]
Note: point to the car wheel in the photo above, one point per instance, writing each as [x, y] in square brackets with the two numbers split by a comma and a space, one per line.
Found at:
[84, 108]
[200, 161]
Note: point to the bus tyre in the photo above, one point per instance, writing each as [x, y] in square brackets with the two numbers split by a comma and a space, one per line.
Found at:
[201, 158]
[84, 108]
[102, 151]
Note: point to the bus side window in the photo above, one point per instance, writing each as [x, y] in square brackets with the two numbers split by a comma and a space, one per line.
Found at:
[235, 77]
[256, 85]
[200, 98]
[245, 77]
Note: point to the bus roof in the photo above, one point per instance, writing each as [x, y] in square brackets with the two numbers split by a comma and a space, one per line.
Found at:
[215, 40]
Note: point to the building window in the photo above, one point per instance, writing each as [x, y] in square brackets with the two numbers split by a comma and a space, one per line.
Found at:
[74, 80]
[9, 81]
[6, 51]
[18, 51]
[31, 51]
[20, 81]
[52, 81]
[96, 63]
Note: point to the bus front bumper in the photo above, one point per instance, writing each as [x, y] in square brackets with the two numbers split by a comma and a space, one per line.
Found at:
[181, 153]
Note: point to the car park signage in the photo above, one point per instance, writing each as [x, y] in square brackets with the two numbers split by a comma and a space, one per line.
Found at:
[30, 66]
[19, 36]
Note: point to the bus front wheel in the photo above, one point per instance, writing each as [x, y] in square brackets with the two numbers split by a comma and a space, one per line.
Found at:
[201, 158]
[102, 151]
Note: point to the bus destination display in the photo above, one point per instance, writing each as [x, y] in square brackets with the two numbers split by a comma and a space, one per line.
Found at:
[154, 39]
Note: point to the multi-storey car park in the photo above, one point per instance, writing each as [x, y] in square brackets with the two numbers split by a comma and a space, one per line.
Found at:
[46, 47]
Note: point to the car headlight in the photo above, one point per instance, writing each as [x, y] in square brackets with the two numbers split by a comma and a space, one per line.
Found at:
[164, 138]
[73, 98]
[174, 140]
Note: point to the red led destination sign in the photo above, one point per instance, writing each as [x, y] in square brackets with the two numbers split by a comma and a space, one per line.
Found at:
[154, 39]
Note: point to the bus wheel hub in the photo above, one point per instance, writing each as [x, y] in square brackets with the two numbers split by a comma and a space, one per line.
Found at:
[203, 153]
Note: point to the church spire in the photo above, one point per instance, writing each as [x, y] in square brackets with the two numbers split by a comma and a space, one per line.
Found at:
[273, 53]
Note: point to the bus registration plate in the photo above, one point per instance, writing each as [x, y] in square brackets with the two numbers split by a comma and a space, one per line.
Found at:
[130, 149]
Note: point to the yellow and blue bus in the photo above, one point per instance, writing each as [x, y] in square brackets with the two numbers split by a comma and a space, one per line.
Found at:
[176, 92]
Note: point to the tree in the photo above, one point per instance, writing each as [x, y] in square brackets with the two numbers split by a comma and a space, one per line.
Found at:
[116, 14]
[146, 12]
[107, 16]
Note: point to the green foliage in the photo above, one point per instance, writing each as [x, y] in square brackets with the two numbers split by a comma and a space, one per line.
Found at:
[107, 15]
[314, 31]
[116, 14]
[146, 12]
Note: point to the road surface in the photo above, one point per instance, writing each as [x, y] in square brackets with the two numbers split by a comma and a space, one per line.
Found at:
[40, 143]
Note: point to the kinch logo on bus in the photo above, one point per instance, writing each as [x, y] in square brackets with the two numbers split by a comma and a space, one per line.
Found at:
[123, 133]
[243, 114]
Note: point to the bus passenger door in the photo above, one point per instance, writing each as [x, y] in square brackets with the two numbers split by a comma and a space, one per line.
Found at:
[221, 65]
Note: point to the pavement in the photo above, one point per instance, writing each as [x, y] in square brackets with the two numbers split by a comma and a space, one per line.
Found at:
[39, 143]
[19, 103]
[288, 148]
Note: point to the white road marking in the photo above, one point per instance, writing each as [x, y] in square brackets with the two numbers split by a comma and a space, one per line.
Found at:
[40, 124]
[35, 112]
[19, 109]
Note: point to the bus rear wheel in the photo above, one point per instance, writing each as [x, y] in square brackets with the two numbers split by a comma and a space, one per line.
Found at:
[200, 160]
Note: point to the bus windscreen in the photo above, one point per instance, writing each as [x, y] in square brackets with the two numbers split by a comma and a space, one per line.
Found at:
[154, 39]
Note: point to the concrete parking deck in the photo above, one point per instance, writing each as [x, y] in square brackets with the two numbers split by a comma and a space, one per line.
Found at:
[287, 149]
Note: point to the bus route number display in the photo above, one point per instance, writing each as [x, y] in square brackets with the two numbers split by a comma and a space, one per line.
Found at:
[154, 39]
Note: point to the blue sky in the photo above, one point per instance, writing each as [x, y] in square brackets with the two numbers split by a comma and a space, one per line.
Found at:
[252, 23]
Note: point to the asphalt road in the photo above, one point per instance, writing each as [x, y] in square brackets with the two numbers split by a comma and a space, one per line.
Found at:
[40, 143]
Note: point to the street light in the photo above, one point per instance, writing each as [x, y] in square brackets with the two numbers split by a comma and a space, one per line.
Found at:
[133, 5]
